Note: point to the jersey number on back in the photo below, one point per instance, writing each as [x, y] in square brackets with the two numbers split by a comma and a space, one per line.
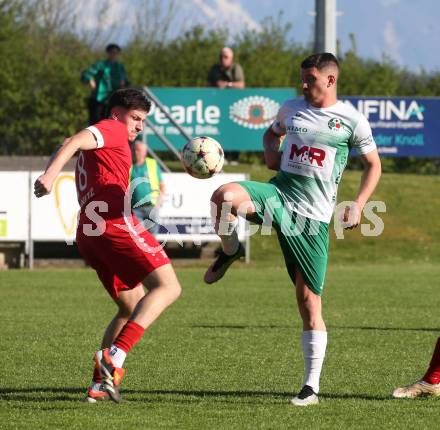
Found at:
[82, 177]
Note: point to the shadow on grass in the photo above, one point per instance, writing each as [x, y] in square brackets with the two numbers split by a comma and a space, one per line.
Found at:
[74, 394]
[429, 329]
[239, 326]
[40, 394]
[331, 327]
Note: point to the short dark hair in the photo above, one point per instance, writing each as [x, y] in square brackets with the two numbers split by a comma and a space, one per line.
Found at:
[129, 98]
[111, 47]
[320, 61]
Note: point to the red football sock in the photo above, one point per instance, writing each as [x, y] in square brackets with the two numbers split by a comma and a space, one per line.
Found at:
[432, 376]
[129, 336]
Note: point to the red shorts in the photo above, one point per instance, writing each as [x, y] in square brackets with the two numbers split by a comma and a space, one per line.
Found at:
[121, 255]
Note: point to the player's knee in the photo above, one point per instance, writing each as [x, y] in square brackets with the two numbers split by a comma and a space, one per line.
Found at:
[125, 310]
[222, 194]
[217, 197]
[309, 304]
[175, 290]
[128, 300]
[171, 289]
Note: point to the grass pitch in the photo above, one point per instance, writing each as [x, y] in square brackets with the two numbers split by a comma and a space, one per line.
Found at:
[224, 357]
[228, 356]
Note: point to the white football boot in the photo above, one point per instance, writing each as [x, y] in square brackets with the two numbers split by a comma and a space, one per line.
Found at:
[418, 389]
[305, 397]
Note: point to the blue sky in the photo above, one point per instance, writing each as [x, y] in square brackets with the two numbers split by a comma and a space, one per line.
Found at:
[406, 31]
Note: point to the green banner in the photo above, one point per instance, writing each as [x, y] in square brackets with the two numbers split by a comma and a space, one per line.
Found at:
[236, 118]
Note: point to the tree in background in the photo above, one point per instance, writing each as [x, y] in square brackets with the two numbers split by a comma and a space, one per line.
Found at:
[44, 51]
[41, 99]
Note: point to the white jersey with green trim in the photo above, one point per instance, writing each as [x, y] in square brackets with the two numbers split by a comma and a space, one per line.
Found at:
[315, 153]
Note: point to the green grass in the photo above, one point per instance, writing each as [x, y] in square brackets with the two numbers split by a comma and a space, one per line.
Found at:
[225, 356]
[228, 356]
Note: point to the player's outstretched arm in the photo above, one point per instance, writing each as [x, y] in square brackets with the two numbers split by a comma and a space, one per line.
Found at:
[82, 141]
[272, 143]
[369, 181]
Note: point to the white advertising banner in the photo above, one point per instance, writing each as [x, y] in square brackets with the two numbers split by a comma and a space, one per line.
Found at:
[184, 215]
[14, 206]
[186, 211]
[54, 217]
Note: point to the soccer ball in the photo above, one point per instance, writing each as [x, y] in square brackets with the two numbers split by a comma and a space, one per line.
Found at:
[202, 157]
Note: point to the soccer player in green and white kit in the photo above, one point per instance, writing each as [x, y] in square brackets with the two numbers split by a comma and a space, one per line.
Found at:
[300, 199]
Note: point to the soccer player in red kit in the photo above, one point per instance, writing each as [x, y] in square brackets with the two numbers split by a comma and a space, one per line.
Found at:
[429, 385]
[124, 256]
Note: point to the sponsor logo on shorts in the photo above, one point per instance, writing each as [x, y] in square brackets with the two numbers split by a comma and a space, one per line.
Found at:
[255, 112]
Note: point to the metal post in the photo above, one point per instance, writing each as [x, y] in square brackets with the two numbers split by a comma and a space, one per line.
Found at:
[157, 102]
[248, 236]
[163, 166]
[163, 139]
[153, 153]
[248, 250]
[30, 239]
[325, 26]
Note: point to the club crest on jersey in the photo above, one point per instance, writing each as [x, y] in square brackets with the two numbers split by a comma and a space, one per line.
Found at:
[336, 124]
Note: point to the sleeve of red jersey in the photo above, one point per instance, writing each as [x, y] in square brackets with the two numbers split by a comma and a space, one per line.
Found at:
[109, 133]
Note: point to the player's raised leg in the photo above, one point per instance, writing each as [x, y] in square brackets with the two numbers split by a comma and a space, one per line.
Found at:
[429, 385]
[314, 341]
[228, 202]
[163, 290]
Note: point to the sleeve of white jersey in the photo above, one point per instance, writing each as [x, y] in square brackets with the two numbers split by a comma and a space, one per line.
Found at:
[98, 136]
[279, 125]
[362, 138]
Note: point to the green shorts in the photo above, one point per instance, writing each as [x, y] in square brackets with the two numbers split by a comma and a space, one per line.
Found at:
[304, 241]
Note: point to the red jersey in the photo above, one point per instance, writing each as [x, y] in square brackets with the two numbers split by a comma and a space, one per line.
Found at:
[122, 255]
[103, 174]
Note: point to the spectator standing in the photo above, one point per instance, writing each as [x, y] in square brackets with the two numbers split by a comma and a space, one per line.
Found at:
[226, 74]
[146, 193]
[104, 77]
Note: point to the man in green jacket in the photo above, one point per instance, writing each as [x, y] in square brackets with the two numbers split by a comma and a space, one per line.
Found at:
[104, 77]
